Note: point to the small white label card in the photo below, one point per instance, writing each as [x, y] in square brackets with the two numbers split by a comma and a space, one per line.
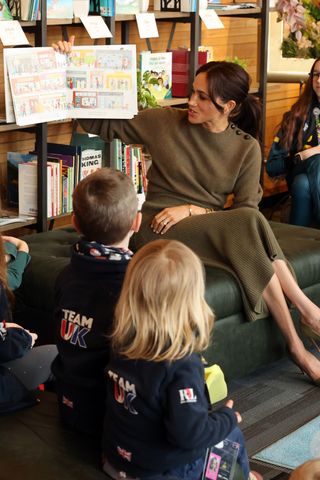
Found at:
[147, 25]
[11, 33]
[96, 26]
[210, 19]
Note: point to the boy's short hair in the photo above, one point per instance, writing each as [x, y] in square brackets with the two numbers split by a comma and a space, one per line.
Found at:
[105, 204]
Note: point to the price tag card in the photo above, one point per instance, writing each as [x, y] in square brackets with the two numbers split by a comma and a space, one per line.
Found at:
[96, 27]
[147, 25]
[210, 19]
[11, 33]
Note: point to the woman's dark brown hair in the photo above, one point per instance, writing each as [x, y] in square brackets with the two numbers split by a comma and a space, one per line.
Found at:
[229, 81]
[293, 121]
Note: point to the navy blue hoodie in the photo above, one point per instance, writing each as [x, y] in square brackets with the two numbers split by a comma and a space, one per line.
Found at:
[158, 415]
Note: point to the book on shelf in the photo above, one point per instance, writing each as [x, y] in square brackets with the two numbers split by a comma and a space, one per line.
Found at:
[27, 190]
[5, 12]
[130, 160]
[13, 161]
[92, 152]
[59, 9]
[156, 73]
[105, 8]
[97, 81]
[127, 7]
[180, 70]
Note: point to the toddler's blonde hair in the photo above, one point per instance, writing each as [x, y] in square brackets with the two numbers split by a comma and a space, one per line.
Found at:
[162, 314]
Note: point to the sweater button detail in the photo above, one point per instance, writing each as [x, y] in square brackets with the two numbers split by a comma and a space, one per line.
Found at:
[238, 132]
[247, 137]
[232, 125]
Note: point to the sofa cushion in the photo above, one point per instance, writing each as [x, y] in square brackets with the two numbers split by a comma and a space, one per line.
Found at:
[50, 252]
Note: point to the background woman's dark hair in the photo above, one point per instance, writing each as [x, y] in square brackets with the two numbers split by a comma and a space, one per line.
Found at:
[293, 121]
[229, 81]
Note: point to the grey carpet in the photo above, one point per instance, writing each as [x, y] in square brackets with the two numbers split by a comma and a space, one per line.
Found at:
[273, 402]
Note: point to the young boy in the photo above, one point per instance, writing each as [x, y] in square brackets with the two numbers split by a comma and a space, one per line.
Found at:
[105, 215]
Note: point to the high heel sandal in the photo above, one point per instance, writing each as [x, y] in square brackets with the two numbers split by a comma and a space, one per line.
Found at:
[316, 381]
[313, 336]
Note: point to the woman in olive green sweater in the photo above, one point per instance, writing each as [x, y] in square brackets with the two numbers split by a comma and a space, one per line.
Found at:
[200, 155]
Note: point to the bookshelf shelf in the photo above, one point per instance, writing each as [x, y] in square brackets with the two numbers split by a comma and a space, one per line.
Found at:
[40, 131]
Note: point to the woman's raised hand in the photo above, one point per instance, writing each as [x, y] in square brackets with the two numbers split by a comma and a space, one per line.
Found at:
[64, 46]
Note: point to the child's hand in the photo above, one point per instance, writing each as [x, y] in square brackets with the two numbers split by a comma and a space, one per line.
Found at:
[63, 46]
[21, 245]
[33, 336]
[229, 404]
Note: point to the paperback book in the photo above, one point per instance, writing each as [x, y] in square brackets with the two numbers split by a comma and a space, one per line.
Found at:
[92, 152]
[91, 82]
[156, 73]
[127, 7]
[105, 8]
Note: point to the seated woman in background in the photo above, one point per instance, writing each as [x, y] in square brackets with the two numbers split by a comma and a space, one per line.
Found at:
[200, 155]
[22, 367]
[295, 152]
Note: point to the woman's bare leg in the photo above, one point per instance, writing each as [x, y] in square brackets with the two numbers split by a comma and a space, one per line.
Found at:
[310, 313]
[276, 302]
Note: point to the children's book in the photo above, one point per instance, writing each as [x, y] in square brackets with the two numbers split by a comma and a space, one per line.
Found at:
[5, 13]
[221, 461]
[13, 161]
[125, 7]
[106, 8]
[156, 73]
[97, 81]
[59, 9]
[92, 152]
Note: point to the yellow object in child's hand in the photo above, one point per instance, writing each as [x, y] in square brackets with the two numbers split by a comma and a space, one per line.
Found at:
[216, 383]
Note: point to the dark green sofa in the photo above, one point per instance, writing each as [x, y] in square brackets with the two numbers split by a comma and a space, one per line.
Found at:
[238, 346]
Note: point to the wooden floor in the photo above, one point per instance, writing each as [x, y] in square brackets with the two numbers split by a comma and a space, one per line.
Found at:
[273, 402]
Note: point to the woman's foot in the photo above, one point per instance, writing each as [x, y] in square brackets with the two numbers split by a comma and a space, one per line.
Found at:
[308, 363]
[312, 322]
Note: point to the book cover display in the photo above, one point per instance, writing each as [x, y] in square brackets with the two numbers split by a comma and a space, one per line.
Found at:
[105, 8]
[95, 81]
[127, 7]
[5, 13]
[59, 9]
[156, 73]
[180, 70]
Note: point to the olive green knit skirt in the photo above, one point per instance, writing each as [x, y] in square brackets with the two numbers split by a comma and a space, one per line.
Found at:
[239, 241]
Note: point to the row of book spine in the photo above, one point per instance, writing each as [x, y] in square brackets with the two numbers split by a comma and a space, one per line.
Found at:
[130, 160]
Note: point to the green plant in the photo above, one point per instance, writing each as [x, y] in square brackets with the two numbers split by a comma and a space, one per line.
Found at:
[238, 61]
[145, 98]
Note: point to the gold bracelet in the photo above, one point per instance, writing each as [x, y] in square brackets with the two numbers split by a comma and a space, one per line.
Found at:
[190, 211]
[209, 210]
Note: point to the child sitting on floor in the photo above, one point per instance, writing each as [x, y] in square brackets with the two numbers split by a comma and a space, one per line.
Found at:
[158, 422]
[105, 215]
[22, 367]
